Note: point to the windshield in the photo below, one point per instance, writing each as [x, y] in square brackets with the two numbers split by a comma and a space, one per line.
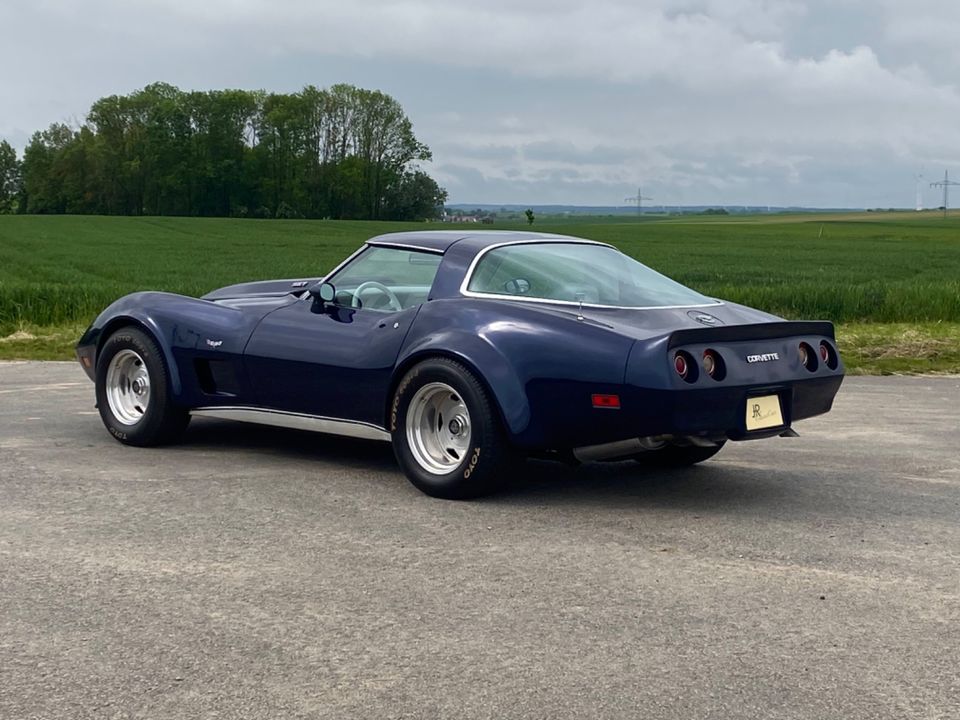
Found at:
[577, 272]
[386, 279]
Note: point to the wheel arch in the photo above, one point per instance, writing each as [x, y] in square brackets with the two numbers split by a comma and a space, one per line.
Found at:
[514, 420]
[147, 326]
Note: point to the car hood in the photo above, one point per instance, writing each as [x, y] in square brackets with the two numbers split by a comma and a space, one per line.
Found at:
[262, 289]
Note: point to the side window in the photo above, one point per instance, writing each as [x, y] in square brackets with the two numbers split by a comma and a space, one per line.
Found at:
[386, 279]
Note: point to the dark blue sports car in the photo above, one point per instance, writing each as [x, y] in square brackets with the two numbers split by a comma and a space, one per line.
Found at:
[467, 350]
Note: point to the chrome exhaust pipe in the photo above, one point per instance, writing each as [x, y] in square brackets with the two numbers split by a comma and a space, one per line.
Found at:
[620, 448]
[608, 451]
[634, 446]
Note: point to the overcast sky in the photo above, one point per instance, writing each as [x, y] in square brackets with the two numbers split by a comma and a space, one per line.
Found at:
[782, 102]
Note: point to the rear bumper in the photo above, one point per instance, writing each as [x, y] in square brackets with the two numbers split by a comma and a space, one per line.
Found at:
[564, 418]
[723, 410]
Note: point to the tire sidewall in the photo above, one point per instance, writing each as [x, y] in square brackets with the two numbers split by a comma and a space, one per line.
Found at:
[149, 426]
[474, 475]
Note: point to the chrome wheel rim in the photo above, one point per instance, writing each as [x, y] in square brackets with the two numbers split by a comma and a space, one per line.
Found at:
[438, 428]
[128, 387]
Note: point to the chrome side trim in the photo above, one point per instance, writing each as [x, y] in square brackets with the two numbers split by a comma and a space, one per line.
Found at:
[404, 246]
[297, 421]
[572, 303]
[546, 301]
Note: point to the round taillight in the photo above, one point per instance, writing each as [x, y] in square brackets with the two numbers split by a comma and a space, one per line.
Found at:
[807, 357]
[829, 355]
[713, 364]
[686, 366]
[709, 364]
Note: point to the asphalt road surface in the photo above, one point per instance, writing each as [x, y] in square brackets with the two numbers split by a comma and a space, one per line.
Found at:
[261, 573]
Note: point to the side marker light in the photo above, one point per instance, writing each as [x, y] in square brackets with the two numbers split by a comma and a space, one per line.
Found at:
[608, 402]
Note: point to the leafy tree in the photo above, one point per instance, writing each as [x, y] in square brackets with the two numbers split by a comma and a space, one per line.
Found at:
[9, 177]
[43, 170]
[343, 152]
[530, 218]
[414, 195]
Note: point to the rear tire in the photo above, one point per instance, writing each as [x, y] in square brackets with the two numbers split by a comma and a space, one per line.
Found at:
[675, 456]
[447, 435]
[133, 391]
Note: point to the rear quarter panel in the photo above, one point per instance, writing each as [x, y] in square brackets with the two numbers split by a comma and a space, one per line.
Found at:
[540, 365]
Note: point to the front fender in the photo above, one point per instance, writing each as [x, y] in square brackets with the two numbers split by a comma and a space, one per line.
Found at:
[183, 328]
[126, 311]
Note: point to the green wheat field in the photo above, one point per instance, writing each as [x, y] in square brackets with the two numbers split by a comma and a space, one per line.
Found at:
[891, 281]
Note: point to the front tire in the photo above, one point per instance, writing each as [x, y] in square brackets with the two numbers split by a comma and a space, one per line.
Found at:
[447, 435]
[133, 391]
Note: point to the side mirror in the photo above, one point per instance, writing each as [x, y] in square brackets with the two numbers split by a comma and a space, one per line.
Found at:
[323, 292]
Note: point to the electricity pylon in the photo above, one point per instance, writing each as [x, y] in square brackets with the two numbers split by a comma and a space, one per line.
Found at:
[638, 199]
[945, 184]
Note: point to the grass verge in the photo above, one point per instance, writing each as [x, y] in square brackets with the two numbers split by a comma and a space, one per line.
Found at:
[34, 342]
[867, 348]
[900, 348]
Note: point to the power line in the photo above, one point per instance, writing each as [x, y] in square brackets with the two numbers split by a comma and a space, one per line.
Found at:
[945, 184]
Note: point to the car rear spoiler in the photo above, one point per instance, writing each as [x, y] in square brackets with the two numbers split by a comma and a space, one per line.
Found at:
[753, 331]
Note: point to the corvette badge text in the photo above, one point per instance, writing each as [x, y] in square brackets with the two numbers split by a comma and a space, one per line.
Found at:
[766, 357]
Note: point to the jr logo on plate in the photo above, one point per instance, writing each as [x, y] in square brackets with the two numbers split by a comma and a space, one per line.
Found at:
[763, 412]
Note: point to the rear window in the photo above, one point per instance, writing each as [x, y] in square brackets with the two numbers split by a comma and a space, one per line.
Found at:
[575, 273]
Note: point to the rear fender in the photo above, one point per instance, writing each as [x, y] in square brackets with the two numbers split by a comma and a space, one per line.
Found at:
[497, 375]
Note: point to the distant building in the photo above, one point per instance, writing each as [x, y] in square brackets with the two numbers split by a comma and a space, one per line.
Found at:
[458, 215]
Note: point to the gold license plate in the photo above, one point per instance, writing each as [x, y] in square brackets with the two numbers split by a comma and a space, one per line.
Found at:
[763, 412]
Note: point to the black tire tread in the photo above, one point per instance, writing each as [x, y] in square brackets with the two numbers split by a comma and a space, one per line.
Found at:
[483, 471]
[164, 421]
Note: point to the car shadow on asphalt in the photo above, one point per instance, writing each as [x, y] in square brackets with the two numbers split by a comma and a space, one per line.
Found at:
[298, 444]
[710, 486]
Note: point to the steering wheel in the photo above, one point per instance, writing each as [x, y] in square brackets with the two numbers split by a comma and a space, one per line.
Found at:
[394, 301]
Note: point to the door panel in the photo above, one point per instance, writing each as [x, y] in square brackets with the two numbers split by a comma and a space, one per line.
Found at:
[335, 363]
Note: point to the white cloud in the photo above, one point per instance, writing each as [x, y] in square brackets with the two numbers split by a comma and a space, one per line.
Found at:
[554, 97]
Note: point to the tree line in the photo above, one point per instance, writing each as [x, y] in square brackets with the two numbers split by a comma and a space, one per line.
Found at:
[342, 152]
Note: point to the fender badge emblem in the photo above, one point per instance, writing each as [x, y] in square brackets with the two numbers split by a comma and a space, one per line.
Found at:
[214, 343]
